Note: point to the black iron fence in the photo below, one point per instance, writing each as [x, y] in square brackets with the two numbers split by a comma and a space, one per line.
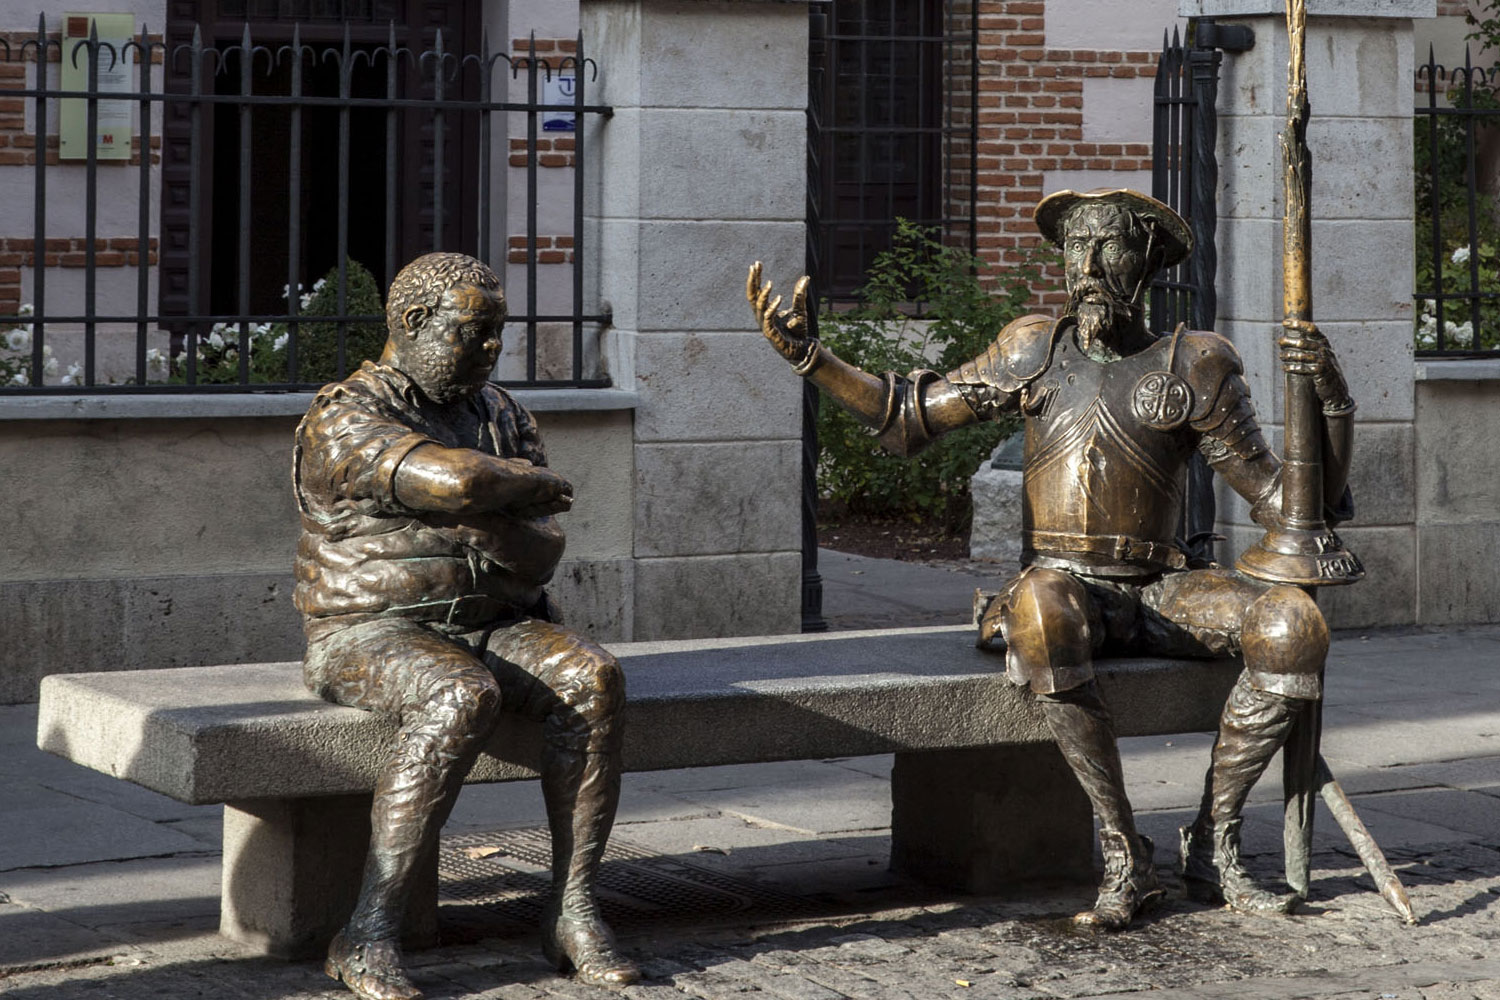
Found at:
[1457, 289]
[1185, 175]
[1185, 171]
[257, 167]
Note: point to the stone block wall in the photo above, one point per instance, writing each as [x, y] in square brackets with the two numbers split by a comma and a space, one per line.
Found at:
[704, 173]
[138, 541]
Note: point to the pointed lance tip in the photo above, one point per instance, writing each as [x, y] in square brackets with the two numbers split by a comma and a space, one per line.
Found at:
[1395, 894]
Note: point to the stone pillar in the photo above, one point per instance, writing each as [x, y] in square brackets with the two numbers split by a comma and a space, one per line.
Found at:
[700, 171]
[1359, 68]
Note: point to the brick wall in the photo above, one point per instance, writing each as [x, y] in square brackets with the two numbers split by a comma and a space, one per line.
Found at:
[1031, 122]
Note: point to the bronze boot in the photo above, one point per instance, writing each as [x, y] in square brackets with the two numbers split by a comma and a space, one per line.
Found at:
[582, 790]
[1130, 886]
[1252, 728]
[1213, 873]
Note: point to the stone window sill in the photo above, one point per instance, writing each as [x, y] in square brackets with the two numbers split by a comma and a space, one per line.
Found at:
[266, 404]
[1458, 370]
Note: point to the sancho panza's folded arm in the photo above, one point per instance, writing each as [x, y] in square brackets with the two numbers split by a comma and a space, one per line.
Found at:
[906, 412]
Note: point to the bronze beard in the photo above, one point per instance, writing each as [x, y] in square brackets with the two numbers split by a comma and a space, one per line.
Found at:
[431, 363]
[1115, 313]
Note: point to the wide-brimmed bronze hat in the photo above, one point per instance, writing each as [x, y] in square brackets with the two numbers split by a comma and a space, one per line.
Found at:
[1177, 239]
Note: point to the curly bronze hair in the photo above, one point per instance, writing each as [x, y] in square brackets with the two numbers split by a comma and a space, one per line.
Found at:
[424, 280]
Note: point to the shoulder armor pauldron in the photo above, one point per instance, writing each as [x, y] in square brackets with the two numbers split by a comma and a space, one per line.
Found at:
[1205, 361]
[1021, 352]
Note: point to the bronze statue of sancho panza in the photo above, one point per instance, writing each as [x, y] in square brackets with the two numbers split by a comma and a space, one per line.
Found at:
[1112, 414]
[428, 536]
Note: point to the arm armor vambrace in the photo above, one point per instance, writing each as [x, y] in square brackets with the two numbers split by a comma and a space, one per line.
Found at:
[904, 429]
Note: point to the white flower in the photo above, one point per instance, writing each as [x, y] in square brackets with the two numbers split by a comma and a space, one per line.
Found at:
[1461, 255]
[19, 378]
[49, 365]
[156, 361]
[73, 375]
[26, 309]
[306, 299]
[215, 339]
[280, 342]
[18, 339]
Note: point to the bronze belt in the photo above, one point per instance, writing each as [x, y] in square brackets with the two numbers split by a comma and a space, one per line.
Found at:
[1121, 547]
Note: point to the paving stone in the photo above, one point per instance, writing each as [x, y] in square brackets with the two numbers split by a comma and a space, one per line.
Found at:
[47, 828]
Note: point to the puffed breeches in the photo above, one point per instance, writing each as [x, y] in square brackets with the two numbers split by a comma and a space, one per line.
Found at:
[1055, 622]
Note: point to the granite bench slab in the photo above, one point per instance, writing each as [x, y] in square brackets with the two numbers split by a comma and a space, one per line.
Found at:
[980, 795]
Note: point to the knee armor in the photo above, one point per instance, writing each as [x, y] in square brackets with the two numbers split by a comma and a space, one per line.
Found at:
[1044, 617]
[1285, 641]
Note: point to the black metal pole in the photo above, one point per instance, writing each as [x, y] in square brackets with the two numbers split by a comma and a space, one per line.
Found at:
[143, 207]
[294, 210]
[90, 203]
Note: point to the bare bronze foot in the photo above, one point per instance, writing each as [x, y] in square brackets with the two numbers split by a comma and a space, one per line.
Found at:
[586, 944]
[372, 969]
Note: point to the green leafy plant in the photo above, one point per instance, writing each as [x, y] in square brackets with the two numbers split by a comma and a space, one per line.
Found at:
[317, 340]
[960, 315]
[1444, 172]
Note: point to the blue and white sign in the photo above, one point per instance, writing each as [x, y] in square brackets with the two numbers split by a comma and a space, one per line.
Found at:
[558, 90]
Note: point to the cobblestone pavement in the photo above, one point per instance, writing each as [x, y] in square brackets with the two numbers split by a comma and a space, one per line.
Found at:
[1345, 945]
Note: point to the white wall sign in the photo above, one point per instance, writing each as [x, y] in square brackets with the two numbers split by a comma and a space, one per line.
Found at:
[558, 90]
[114, 132]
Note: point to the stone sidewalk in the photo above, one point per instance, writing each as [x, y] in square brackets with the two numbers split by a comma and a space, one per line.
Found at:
[107, 890]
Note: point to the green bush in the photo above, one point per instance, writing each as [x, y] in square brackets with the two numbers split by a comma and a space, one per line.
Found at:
[961, 317]
[317, 342]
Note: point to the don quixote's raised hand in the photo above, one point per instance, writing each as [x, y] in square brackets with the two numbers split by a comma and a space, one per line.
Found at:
[788, 330]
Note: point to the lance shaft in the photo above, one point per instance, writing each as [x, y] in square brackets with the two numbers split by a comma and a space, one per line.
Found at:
[1302, 474]
[1302, 549]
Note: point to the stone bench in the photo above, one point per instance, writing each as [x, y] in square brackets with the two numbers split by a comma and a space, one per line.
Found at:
[981, 797]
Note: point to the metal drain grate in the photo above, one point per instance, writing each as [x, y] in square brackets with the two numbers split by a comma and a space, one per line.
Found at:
[636, 886]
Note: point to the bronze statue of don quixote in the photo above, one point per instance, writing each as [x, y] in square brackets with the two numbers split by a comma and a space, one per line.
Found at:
[1112, 413]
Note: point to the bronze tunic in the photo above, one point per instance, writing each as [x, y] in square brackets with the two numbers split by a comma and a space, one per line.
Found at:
[363, 552]
[1107, 443]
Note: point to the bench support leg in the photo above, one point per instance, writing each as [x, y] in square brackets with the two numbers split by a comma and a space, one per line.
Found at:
[292, 869]
[982, 820]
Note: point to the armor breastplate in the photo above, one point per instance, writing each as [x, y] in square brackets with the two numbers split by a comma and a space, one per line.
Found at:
[1106, 461]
